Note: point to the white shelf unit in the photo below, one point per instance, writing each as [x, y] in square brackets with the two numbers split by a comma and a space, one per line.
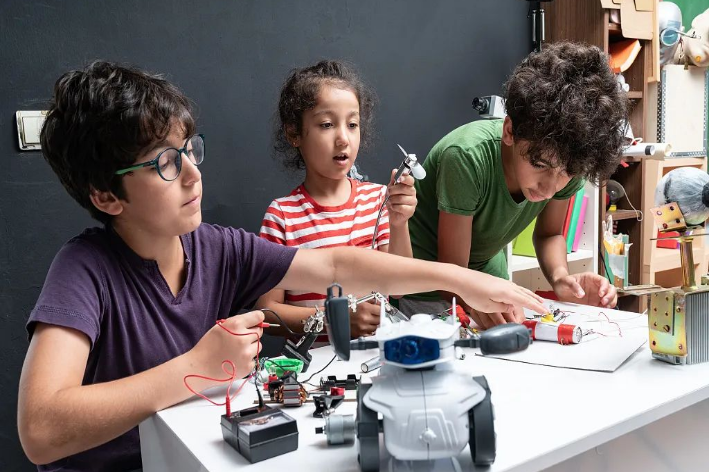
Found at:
[525, 271]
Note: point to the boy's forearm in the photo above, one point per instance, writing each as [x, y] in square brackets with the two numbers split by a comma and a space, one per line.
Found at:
[551, 254]
[360, 272]
[399, 241]
[78, 418]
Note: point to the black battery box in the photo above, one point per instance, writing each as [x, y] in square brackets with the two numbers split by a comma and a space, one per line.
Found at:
[259, 433]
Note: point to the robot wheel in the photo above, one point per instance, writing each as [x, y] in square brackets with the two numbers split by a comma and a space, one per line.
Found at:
[482, 427]
[367, 426]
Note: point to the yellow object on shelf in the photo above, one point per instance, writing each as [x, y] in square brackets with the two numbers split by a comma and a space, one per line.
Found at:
[523, 245]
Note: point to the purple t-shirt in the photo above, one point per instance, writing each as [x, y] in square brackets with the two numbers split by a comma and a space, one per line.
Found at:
[101, 287]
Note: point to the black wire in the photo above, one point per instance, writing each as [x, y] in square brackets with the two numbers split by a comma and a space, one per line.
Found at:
[260, 397]
[323, 369]
[283, 324]
[605, 268]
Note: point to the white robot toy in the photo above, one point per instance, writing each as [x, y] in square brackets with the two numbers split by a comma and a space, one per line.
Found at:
[430, 411]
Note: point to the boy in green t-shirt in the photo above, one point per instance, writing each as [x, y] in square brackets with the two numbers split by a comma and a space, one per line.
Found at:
[488, 180]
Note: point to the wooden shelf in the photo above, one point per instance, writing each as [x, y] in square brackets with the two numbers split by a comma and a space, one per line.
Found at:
[667, 162]
[677, 162]
[664, 259]
[622, 214]
[635, 94]
[522, 263]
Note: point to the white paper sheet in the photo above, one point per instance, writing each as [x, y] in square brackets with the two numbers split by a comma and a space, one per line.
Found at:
[604, 350]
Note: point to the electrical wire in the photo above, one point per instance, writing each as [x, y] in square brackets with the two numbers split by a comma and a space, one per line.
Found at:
[283, 324]
[232, 373]
[379, 216]
[323, 369]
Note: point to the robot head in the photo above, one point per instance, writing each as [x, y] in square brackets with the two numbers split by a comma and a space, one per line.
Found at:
[418, 343]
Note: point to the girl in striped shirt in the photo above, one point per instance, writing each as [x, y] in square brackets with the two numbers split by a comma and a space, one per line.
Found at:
[324, 116]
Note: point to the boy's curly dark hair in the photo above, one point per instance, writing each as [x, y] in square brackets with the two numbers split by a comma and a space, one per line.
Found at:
[566, 102]
[101, 119]
[299, 93]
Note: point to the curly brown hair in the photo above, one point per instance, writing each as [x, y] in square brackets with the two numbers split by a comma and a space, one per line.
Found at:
[566, 102]
[300, 92]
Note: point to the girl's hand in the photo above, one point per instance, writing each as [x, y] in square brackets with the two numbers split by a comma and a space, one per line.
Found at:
[402, 199]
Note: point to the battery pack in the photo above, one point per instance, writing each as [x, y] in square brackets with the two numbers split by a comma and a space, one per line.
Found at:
[260, 433]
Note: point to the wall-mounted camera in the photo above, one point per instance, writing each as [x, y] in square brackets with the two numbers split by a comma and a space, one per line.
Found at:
[490, 106]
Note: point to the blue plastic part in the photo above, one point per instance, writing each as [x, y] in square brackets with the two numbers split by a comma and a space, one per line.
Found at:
[411, 350]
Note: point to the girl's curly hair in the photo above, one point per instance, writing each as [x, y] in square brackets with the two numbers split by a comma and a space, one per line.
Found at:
[565, 101]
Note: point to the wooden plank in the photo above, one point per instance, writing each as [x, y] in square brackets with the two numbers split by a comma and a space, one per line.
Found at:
[578, 20]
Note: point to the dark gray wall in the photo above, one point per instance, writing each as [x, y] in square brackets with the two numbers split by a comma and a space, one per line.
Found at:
[426, 60]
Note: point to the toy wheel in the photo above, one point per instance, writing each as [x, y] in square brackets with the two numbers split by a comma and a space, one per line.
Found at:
[367, 426]
[482, 427]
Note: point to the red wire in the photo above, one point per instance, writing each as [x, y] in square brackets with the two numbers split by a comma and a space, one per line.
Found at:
[620, 332]
[232, 374]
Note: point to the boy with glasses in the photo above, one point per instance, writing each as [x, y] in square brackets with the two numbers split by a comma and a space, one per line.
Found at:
[129, 309]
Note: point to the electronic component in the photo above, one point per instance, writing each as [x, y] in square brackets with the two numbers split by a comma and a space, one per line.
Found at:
[290, 392]
[350, 383]
[260, 433]
[326, 403]
[339, 429]
[565, 334]
[678, 318]
[410, 164]
[300, 350]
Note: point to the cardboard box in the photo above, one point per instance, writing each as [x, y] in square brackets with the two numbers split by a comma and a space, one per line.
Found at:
[636, 17]
[640, 5]
[636, 23]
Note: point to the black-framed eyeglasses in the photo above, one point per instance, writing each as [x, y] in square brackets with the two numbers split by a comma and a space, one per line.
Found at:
[169, 161]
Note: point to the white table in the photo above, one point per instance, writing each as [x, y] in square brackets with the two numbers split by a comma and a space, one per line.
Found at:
[646, 416]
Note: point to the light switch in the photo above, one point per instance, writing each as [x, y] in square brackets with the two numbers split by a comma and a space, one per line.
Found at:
[29, 126]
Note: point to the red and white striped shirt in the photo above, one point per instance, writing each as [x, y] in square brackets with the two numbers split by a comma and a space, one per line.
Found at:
[297, 220]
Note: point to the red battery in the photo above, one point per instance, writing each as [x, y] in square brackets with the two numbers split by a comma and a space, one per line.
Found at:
[562, 333]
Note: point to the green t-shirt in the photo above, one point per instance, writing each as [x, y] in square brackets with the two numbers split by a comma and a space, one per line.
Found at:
[464, 176]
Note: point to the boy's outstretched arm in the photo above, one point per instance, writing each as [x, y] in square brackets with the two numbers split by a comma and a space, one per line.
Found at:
[359, 271]
[57, 416]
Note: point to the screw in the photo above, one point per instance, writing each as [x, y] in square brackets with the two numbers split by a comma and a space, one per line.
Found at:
[672, 207]
[680, 346]
[654, 343]
[666, 328]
